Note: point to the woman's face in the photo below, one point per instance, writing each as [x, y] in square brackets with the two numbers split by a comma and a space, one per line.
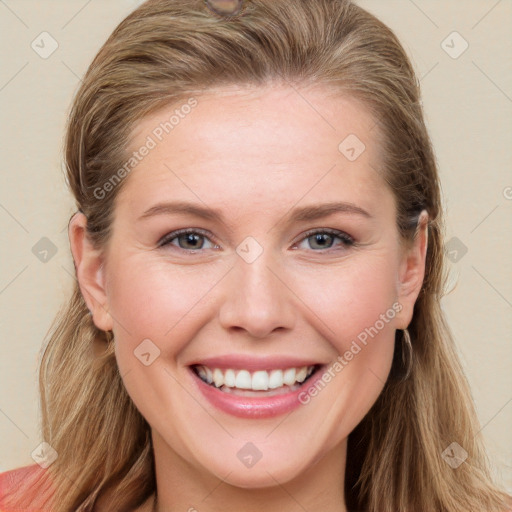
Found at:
[293, 260]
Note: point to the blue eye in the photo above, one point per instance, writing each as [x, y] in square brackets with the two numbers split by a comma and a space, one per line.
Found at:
[188, 239]
[196, 239]
[325, 238]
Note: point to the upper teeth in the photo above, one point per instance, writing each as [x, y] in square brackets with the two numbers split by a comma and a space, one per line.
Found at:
[259, 380]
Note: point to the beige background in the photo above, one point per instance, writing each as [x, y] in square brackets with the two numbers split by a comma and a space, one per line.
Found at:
[468, 103]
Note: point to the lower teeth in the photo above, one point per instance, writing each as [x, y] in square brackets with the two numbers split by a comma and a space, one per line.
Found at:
[250, 392]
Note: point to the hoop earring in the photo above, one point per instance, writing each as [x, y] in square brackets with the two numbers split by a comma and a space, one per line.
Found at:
[407, 356]
[110, 336]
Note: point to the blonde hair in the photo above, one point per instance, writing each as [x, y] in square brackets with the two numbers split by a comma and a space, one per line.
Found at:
[167, 51]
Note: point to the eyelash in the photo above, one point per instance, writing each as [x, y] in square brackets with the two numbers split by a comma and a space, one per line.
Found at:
[347, 240]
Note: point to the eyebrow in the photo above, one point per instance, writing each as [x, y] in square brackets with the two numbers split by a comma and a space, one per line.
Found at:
[304, 213]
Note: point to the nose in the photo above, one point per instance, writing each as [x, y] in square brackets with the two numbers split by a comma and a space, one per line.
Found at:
[256, 299]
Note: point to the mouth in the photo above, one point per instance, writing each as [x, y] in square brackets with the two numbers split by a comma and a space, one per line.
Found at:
[260, 383]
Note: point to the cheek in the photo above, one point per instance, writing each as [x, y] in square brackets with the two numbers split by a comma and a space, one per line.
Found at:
[142, 292]
[356, 306]
[352, 298]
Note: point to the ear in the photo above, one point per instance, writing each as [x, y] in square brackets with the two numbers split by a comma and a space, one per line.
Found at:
[89, 271]
[412, 272]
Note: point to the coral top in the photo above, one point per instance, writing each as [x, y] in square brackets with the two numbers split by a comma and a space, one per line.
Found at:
[9, 484]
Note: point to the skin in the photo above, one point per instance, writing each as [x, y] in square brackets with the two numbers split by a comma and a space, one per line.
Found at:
[253, 154]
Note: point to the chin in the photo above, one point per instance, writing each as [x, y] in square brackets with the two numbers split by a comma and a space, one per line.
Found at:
[278, 469]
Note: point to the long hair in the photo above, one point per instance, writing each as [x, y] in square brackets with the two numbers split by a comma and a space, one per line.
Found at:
[166, 52]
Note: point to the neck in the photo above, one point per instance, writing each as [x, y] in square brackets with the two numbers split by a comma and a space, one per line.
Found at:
[180, 486]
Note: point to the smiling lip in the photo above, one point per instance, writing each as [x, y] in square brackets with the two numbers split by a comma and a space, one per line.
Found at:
[255, 407]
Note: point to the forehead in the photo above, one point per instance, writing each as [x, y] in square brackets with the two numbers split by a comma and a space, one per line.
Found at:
[254, 143]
